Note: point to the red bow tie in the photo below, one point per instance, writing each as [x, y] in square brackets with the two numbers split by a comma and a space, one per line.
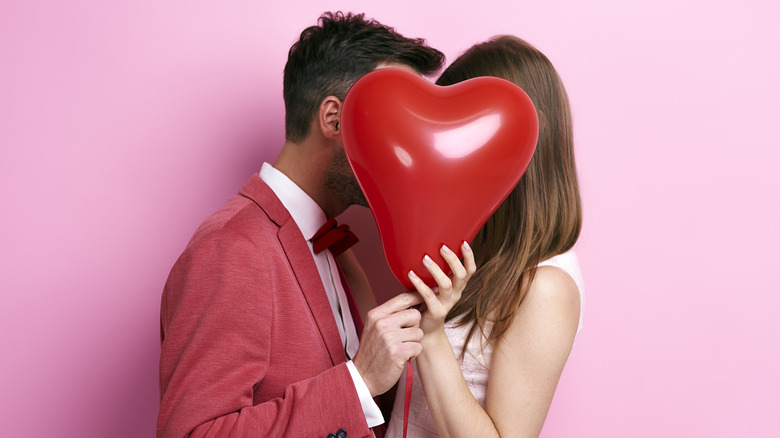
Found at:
[336, 237]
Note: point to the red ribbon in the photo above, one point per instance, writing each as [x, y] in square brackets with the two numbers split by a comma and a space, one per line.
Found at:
[408, 393]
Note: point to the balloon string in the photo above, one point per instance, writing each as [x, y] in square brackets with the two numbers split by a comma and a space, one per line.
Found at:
[408, 394]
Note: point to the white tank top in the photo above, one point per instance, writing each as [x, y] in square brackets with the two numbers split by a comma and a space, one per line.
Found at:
[475, 364]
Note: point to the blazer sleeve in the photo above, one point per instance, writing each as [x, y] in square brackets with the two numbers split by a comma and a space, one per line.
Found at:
[217, 328]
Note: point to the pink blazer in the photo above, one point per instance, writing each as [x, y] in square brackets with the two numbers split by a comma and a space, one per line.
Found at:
[249, 343]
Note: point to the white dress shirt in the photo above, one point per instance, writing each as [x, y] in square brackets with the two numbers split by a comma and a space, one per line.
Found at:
[309, 217]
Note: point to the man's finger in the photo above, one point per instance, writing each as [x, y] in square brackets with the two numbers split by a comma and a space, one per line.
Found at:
[397, 303]
[401, 319]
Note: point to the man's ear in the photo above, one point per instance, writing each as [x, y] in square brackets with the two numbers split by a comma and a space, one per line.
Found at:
[329, 117]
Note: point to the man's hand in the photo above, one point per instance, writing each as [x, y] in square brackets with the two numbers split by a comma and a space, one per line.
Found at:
[390, 338]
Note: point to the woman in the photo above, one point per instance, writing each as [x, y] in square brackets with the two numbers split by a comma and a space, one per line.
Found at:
[495, 342]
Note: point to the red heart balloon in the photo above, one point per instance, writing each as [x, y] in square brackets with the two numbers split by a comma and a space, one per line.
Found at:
[434, 162]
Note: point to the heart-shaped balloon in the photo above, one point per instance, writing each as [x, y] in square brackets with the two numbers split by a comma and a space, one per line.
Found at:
[434, 162]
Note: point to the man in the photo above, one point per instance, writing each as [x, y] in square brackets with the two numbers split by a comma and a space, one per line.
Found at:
[259, 332]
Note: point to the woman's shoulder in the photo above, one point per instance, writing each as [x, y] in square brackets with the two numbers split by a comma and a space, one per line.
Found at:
[550, 311]
[558, 287]
[568, 263]
[551, 283]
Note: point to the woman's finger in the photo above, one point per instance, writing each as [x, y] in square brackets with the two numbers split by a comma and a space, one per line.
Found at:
[432, 302]
[468, 259]
[427, 294]
[459, 274]
[442, 280]
[469, 267]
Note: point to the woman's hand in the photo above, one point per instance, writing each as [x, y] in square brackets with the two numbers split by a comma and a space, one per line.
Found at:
[449, 289]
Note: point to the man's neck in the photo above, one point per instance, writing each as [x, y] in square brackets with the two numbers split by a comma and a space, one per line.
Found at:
[305, 164]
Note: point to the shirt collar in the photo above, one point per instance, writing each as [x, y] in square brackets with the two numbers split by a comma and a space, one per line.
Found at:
[306, 213]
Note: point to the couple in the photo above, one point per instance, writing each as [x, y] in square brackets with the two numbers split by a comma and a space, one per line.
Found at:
[262, 328]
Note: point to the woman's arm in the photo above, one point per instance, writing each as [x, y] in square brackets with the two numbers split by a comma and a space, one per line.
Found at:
[528, 360]
[526, 365]
[452, 406]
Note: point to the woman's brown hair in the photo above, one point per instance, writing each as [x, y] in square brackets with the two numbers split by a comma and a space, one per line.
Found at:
[542, 216]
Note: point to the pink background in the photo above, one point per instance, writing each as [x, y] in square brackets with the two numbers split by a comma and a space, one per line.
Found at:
[124, 124]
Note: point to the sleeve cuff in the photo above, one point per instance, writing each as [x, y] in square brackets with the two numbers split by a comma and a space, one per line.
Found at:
[370, 409]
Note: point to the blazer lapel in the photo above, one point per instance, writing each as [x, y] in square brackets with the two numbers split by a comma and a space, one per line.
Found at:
[309, 280]
[301, 262]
